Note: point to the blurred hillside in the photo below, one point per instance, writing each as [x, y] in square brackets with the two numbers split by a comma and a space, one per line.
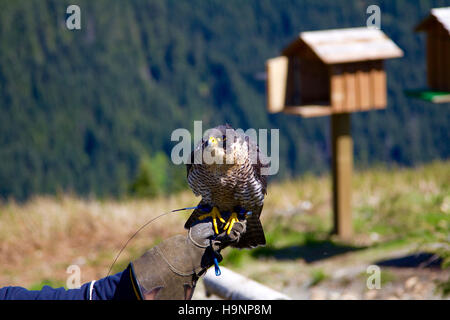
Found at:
[81, 109]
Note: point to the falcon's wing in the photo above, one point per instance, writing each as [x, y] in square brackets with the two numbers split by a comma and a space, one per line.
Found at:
[194, 215]
[261, 162]
[190, 163]
[254, 235]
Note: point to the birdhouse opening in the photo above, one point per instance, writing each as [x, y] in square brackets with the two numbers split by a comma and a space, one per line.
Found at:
[308, 87]
[308, 82]
[298, 85]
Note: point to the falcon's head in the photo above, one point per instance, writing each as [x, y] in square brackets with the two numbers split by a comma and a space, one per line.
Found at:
[223, 145]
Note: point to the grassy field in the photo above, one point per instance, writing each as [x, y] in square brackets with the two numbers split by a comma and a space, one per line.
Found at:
[394, 210]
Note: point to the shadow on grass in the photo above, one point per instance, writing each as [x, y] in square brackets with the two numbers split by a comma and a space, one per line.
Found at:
[310, 251]
[417, 260]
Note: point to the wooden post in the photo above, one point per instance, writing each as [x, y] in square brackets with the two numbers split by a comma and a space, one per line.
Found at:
[342, 166]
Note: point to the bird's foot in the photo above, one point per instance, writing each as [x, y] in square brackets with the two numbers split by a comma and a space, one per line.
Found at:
[231, 221]
[214, 214]
[238, 211]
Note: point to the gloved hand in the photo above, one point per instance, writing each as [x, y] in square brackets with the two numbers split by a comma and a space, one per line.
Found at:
[171, 269]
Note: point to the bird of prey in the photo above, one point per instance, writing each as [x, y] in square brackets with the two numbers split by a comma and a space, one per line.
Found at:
[225, 170]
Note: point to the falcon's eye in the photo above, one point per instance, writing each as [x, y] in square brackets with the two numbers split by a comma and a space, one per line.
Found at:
[212, 140]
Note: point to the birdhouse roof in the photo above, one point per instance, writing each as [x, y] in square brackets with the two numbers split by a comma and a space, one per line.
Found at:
[439, 15]
[345, 45]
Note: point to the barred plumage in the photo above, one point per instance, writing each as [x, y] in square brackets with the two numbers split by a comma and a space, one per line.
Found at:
[237, 182]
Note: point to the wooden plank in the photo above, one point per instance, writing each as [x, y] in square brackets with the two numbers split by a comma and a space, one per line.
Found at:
[435, 65]
[350, 88]
[363, 87]
[443, 59]
[434, 58]
[380, 90]
[439, 62]
[443, 17]
[309, 111]
[447, 64]
[441, 99]
[431, 60]
[371, 71]
[342, 167]
[378, 85]
[337, 87]
[276, 69]
[350, 45]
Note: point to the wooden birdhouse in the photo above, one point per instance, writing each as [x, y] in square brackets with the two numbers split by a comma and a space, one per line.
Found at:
[333, 72]
[437, 28]
[330, 71]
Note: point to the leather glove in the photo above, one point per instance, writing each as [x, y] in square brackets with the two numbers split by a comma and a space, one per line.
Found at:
[171, 269]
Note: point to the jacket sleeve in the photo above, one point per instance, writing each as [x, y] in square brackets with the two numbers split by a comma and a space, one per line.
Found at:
[120, 286]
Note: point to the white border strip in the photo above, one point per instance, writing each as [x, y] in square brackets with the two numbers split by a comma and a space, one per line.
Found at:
[91, 288]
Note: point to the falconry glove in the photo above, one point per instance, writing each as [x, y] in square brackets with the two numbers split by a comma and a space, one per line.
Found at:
[171, 269]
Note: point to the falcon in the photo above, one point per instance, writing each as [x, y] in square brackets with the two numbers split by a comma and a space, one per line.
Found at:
[225, 170]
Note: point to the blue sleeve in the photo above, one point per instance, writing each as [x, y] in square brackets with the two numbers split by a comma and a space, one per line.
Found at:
[46, 293]
[120, 286]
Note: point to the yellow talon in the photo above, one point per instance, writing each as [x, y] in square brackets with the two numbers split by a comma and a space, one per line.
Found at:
[233, 218]
[214, 214]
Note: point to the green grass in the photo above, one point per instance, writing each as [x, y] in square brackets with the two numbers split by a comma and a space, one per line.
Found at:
[317, 276]
[386, 277]
[46, 282]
